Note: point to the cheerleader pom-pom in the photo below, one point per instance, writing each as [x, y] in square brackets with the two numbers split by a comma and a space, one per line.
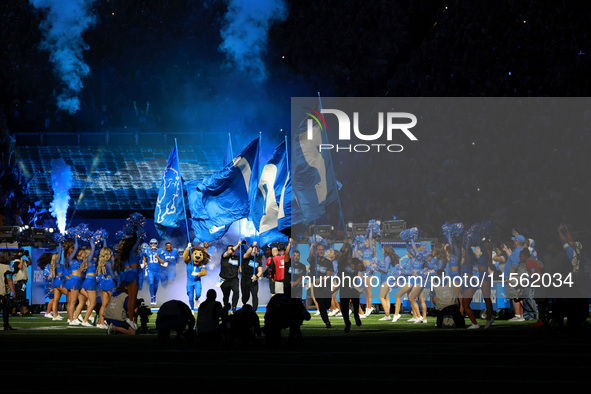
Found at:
[423, 255]
[457, 229]
[81, 231]
[405, 235]
[374, 226]
[359, 241]
[85, 232]
[59, 237]
[135, 222]
[409, 234]
[128, 231]
[99, 236]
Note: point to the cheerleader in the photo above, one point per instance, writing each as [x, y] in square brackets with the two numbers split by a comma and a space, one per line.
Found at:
[402, 269]
[82, 295]
[90, 283]
[366, 252]
[56, 276]
[436, 261]
[74, 280]
[107, 281]
[127, 265]
[418, 261]
[390, 260]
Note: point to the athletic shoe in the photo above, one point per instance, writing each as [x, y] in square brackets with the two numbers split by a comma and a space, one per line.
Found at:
[339, 314]
[219, 284]
[424, 321]
[317, 313]
[131, 324]
[74, 322]
[362, 316]
[111, 329]
[384, 318]
[48, 315]
[332, 313]
[80, 318]
[489, 323]
[86, 324]
[412, 320]
[368, 311]
[395, 318]
[197, 303]
[58, 318]
[418, 320]
[473, 326]
[517, 318]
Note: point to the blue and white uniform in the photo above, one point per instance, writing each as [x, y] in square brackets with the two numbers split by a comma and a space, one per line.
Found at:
[153, 272]
[75, 281]
[168, 273]
[108, 281]
[90, 282]
[193, 283]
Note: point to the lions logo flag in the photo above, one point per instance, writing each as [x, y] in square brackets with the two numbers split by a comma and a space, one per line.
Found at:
[272, 203]
[220, 199]
[169, 206]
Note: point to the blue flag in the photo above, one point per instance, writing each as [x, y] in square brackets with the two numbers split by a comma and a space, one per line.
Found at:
[313, 180]
[271, 211]
[169, 205]
[222, 198]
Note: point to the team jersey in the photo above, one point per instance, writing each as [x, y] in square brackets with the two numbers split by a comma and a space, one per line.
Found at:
[170, 257]
[279, 262]
[193, 268]
[153, 262]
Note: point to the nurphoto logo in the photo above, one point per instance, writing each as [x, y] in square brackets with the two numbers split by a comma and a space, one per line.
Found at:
[317, 123]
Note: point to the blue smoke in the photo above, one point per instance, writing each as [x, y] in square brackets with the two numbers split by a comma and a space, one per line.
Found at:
[245, 30]
[64, 23]
[61, 182]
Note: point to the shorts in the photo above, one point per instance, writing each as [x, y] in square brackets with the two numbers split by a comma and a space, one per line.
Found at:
[89, 283]
[130, 275]
[74, 283]
[57, 283]
[107, 284]
[279, 287]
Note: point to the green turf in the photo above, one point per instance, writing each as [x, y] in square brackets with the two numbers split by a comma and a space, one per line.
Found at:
[315, 326]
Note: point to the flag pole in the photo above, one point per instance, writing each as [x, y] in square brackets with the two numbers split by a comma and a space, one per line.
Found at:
[183, 193]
